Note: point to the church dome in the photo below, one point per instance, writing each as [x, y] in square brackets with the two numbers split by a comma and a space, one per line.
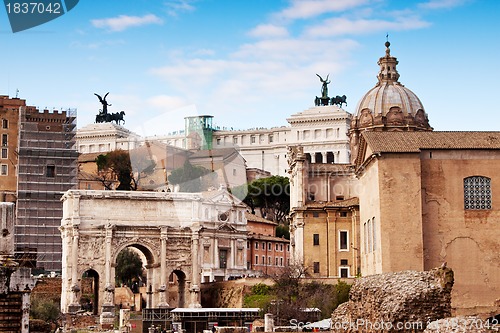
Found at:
[390, 105]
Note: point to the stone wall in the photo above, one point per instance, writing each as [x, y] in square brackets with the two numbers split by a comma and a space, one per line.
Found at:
[396, 302]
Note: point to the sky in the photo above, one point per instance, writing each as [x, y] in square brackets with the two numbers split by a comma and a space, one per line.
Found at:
[253, 63]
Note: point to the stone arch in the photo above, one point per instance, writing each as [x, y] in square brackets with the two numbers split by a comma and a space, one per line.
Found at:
[90, 286]
[178, 281]
[151, 258]
[165, 227]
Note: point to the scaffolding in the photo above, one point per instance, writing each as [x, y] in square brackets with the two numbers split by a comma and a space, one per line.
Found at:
[47, 167]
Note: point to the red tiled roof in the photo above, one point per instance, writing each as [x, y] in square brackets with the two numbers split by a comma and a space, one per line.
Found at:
[413, 142]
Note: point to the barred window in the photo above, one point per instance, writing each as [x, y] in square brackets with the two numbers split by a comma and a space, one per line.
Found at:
[477, 192]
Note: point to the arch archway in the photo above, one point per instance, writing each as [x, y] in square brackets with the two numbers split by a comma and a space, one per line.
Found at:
[90, 291]
[177, 286]
[167, 229]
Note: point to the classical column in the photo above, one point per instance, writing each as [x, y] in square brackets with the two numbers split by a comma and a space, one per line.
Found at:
[109, 290]
[163, 269]
[323, 154]
[195, 269]
[75, 288]
[313, 157]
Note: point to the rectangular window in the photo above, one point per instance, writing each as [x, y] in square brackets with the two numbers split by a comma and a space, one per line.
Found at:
[263, 246]
[263, 260]
[374, 233]
[316, 239]
[344, 272]
[51, 171]
[248, 244]
[281, 247]
[3, 170]
[276, 261]
[222, 258]
[235, 140]
[256, 260]
[269, 262]
[5, 123]
[234, 172]
[343, 240]
[4, 153]
[252, 139]
[270, 138]
[256, 245]
[316, 267]
[315, 214]
[343, 262]
[288, 247]
[218, 141]
[281, 261]
[269, 246]
[4, 140]
[276, 248]
[343, 214]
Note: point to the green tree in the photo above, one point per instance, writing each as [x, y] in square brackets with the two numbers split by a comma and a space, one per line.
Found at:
[283, 230]
[128, 267]
[114, 167]
[271, 195]
[45, 309]
[192, 178]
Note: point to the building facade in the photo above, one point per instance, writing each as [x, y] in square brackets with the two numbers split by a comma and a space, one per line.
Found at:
[41, 164]
[424, 198]
[321, 130]
[267, 255]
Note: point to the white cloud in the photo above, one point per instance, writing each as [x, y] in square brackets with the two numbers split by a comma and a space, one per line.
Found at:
[442, 4]
[265, 72]
[343, 26]
[165, 102]
[176, 6]
[268, 31]
[303, 9]
[123, 22]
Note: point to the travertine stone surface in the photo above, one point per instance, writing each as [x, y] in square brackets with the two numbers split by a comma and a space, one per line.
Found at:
[396, 302]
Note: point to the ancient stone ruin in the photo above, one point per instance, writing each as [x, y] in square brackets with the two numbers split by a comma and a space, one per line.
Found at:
[15, 281]
[395, 302]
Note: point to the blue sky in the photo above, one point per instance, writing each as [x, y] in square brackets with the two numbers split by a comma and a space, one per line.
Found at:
[252, 63]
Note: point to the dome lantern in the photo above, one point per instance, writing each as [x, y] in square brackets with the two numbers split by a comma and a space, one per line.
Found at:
[389, 106]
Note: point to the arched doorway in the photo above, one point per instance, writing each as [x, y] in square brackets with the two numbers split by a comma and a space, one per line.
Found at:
[177, 289]
[89, 300]
[133, 272]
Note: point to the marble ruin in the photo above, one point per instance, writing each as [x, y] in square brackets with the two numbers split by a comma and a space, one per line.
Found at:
[195, 236]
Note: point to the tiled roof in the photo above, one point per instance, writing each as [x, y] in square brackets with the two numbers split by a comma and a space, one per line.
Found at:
[88, 157]
[254, 218]
[332, 204]
[413, 142]
[254, 236]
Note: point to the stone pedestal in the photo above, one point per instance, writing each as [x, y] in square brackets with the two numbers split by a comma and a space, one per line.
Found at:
[107, 320]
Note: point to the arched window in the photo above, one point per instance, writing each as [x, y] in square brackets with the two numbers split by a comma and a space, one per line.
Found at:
[477, 192]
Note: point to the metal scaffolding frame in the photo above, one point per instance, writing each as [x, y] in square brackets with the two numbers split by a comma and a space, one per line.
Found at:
[47, 167]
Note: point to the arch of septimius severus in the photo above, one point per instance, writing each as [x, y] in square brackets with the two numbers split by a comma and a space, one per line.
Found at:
[185, 234]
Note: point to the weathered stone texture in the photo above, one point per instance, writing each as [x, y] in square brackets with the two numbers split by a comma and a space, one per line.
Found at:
[396, 302]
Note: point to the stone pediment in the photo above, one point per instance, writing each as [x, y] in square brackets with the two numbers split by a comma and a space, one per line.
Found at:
[226, 227]
[222, 197]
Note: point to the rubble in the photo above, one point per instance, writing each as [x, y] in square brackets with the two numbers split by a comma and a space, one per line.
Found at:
[396, 302]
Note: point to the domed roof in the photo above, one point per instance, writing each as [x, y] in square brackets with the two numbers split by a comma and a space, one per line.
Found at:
[390, 105]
